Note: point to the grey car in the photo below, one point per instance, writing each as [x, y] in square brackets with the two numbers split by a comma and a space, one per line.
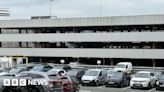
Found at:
[160, 83]
[118, 79]
[94, 77]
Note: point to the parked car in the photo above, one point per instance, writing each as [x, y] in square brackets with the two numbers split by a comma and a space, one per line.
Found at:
[70, 84]
[41, 68]
[53, 80]
[124, 67]
[27, 66]
[118, 79]
[143, 79]
[28, 88]
[157, 73]
[77, 73]
[57, 71]
[62, 67]
[17, 70]
[160, 82]
[110, 72]
[94, 77]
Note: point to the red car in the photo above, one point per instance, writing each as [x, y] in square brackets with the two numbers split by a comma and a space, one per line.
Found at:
[69, 85]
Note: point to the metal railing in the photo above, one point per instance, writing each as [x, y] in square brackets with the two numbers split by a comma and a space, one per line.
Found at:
[135, 68]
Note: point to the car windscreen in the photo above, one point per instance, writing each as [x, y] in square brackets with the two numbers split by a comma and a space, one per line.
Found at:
[37, 68]
[157, 73]
[15, 70]
[52, 71]
[110, 72]
[142, 75]
[91, 73]
[74, 79]
[72, 73]
[116, 75]
[53, 77]
[162, 77]
[120, 66]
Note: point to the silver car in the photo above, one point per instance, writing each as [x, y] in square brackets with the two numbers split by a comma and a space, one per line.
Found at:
[94, 77]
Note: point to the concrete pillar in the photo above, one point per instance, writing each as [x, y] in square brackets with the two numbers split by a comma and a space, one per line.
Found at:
[154, 63]
[111, 62]
[103, 61]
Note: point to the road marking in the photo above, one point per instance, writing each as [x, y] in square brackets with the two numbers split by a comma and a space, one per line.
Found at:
[152, 90]
[125, 88]
[85, 91]
[100, 86]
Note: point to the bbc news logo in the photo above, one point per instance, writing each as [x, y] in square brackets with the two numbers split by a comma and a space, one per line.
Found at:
[23, 82]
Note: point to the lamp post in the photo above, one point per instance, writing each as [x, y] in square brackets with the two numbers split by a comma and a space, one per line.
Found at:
[5, 59]
[98, 62]
[62, 61]
[51, 7]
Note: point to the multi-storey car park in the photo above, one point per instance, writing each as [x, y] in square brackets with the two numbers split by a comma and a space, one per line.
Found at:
[136, 39]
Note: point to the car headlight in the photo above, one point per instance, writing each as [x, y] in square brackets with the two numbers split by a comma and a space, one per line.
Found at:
[95, 79]
[157, 83]
[144, 81]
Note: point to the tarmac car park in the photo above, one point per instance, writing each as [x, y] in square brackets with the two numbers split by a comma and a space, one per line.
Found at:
[69, 83]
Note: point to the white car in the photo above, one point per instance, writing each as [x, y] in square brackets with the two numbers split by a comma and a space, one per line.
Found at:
[124, 67]
[143, 79]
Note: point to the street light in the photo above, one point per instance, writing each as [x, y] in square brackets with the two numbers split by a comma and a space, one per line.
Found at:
[62, 61]
[51, 7]
[98, 62]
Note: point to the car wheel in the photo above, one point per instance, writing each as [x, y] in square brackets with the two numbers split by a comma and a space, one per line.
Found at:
[157, 88]
[106, 85]
[96, 83]
[128, 84]
[149, 86]
[82, 84]
[121, 85]
[155, 83]
[132, 87]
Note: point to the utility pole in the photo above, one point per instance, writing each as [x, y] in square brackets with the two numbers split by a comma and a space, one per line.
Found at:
[100, 11]
[51, 7]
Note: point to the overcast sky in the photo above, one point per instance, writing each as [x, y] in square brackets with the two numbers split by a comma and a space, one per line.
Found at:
[21, 9]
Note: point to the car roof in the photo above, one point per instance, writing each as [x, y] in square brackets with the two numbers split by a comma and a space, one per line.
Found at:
[35, 72]
[94, 69]
[56, 69]
[125, 63]
[144, 72]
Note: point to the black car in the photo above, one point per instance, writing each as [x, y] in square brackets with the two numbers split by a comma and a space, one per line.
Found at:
[160, 82]
[77, 73]
[118, 79]
[41, 68]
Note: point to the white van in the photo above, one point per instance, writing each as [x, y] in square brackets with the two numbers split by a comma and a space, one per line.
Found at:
[124, 67]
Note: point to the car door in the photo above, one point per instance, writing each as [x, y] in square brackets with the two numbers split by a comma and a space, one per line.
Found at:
[126, 79]
[104, 76]
[152, 78]
[100, 78]
[36, 76]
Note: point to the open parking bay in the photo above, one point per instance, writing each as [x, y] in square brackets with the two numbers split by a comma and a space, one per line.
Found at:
[113, 89]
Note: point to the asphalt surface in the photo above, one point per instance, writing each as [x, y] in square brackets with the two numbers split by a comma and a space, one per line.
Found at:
[114, 89]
